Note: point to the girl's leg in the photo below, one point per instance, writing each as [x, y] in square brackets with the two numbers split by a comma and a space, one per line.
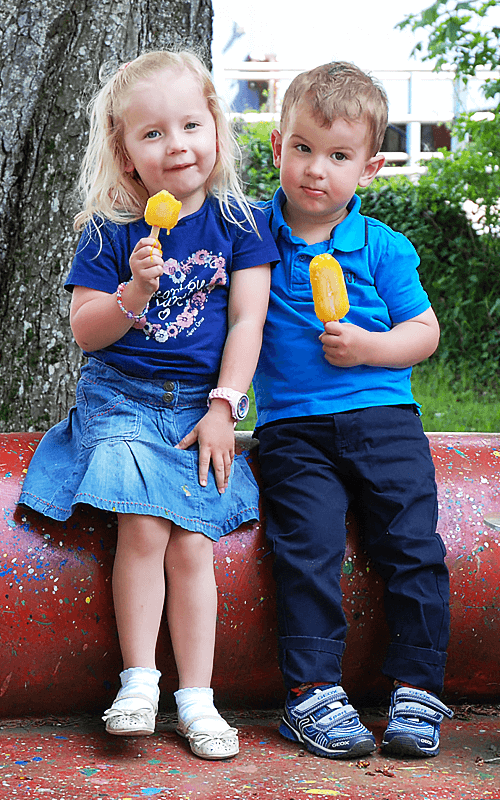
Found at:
[191, 613]
[191, 605]
[139, 586]
[139, 593]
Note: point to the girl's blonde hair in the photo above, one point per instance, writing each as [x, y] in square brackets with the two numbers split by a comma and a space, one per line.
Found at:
[111, 193]
[340, 89]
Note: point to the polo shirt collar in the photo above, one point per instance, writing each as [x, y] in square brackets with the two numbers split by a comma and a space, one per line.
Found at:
[349, 236]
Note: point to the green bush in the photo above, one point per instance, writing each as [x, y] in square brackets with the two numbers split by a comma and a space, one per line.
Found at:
[459, 270]
[260, 176]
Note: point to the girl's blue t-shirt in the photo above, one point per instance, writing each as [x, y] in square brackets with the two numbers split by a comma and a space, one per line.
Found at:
[187, 319]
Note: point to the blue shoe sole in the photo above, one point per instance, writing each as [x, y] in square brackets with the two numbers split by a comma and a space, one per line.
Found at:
[361, 747]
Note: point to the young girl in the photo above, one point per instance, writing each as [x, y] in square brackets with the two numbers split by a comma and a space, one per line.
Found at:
[172, 341]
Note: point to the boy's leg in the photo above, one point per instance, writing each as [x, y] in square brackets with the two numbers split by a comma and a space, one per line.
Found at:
[398, 515]
[306, 504]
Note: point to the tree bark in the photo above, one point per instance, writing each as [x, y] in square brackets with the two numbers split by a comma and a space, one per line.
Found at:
[51, 52]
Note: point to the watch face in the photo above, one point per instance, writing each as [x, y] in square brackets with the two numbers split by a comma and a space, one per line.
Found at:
[242, 407]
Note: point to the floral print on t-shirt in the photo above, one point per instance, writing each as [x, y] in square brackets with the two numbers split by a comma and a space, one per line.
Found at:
[187, 291]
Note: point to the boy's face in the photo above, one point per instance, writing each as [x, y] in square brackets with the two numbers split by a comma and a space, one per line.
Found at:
[320, 168]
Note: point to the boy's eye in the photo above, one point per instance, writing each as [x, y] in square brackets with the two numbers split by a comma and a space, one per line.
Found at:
[303, 148]
[339, 156]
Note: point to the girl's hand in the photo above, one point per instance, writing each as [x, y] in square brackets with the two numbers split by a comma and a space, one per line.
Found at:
[146, 264]
[215, 436]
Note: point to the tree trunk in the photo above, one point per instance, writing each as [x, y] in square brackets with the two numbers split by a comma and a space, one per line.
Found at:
[51, 52]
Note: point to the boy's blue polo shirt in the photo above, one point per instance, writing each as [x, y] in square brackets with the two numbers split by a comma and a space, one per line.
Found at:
[293, 378]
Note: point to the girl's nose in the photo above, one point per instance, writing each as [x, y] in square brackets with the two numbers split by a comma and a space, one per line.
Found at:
[175, 142]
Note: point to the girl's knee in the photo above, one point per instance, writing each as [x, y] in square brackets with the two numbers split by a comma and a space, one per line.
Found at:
[188, 550]
[143, 534]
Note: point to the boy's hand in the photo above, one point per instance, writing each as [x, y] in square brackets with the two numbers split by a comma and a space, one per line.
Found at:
[345, 345]
[405, 344]
[215, 436]
[146, 264]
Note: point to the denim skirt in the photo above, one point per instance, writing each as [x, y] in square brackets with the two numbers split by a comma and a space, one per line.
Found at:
[116, 451]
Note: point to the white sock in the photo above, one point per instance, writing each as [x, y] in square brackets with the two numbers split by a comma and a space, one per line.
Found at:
[137, 680]
[199, 702]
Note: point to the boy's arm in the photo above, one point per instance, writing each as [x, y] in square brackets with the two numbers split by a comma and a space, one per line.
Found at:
[406, 344]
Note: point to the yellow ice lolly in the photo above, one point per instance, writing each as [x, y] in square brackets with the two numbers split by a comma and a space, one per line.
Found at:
[328, 286]
[162, 211]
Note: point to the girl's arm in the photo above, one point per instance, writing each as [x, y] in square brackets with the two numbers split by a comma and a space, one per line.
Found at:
[406, 344]
[96, 319]
[248, 300]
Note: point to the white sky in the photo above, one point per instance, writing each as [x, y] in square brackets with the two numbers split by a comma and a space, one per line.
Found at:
[306, 33]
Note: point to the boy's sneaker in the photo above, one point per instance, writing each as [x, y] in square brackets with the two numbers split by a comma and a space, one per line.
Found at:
[414, 720]
[322, 719]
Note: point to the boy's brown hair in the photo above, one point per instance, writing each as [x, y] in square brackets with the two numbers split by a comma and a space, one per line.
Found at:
[340, 89]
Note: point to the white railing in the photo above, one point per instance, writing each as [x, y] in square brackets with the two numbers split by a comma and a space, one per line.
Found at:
[411, 105]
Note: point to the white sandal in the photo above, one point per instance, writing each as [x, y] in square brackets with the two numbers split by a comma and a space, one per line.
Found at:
[210, 744]
[131, 723]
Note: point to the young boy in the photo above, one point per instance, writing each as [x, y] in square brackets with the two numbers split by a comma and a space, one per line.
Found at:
[337, 422]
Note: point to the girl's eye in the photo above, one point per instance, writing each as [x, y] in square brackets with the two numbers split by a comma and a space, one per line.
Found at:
[190, 126]
[339, 156]
[152, 134]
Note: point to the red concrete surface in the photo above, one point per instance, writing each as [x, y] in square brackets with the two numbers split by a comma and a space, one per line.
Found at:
[74, 759]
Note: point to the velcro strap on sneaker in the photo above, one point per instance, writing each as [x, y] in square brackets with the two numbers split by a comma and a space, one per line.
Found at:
[336, 717]
[410, 695]
[408, 710]
[320, 699]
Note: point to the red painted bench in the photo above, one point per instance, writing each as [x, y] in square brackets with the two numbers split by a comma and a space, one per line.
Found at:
[60, 650]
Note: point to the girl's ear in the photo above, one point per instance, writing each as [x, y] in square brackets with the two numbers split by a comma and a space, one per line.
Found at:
[276, 145]
[372, 167]
[129, 167]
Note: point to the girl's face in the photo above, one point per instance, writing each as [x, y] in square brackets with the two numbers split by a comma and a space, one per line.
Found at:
[170, 136]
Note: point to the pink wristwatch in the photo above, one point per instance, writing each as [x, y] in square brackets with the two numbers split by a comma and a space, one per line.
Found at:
[238, 402]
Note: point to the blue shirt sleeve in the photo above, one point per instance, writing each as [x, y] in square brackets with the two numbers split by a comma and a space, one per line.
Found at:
[101, 258]
[395, 271]
[251, 250]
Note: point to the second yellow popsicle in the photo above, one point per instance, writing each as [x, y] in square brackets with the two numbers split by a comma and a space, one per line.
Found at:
[328, 286]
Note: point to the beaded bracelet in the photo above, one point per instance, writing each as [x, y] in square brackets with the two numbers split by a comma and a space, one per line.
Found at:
[139, 319]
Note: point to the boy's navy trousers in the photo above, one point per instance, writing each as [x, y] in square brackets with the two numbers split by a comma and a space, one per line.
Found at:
[312, 469]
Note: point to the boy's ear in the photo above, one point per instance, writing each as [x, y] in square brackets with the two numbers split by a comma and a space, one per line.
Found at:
[276, 145]
[372, 167]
